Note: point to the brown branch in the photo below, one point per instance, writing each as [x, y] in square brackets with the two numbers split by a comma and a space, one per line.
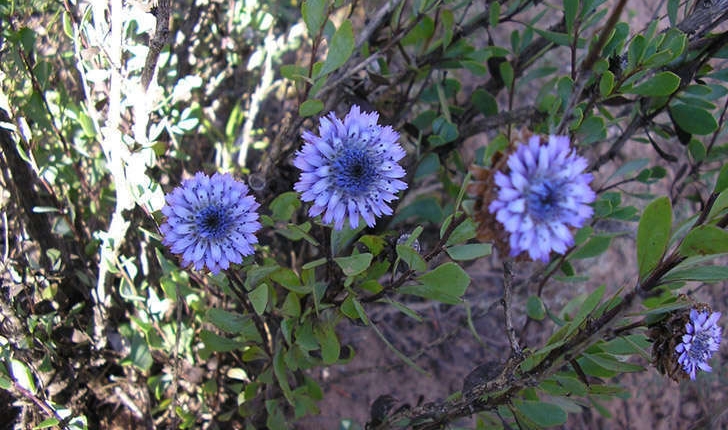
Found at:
[701, 18]
[161, 36]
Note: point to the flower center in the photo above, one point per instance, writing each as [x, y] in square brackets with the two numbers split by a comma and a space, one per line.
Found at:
[543, 200]
[699, 346]
[354, 170]
[213, 222]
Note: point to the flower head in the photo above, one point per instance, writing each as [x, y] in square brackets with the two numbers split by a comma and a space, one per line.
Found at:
[210, 221]
[351, 169]
[701, 339]
[543, 195]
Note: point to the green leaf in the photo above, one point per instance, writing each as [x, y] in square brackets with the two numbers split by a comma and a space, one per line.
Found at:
[229, 322]
[562, 39]
[591, 368]
[462, 233]
[215, 342]
[314, 15]
[606, 83]
[50, 422]
[283, 206]
[629, 167]
[672, 7]
[314, 263]
[693, 119]
[586, 308]
[594, 247]
[412, 258]
[420, 33]
[293, 72]
[484, 102]
[21, 373]
[429, 292]
[571, 7]
[291, 306]
[340, 49]
[289, 280]
[355, 264]
[330, 347]
[425, 208]
[340, 239]
[448, 276]
[653, 234]
[662, 84]
[535, 308]
[5, 383]
[636, 50]
[429, 164]
[541, 413]
[448, 23]
[140, 355]
[469, 251]
[607, 361]
[705, 240]
[721, 204]
[573, 385]
[361, 311]
[722, 182]
[506, 72]
[259, 298]
[700, 274]
[443, 132]
[404, 309]
[493, 14]
[281, 372]
[310, 108]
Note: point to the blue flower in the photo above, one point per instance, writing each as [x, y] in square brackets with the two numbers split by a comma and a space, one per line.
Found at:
[351, 169]
[701, 339]
[210, 222]
[543, 195]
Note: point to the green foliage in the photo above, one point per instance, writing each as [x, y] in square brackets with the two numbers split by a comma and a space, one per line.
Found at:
[653, 234]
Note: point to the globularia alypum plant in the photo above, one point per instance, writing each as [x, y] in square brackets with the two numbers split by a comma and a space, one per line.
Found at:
[509, 207]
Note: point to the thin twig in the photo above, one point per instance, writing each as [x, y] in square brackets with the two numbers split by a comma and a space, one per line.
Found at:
[506, 302]
[42, 405]
[237, 287]
[161, 35]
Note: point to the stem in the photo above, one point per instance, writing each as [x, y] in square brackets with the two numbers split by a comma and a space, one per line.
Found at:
[236, 285]
[506, 302]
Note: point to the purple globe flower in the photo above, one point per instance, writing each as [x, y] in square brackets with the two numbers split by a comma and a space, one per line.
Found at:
[543, 195]
[210, 221]
[351, 169]
[701, 339]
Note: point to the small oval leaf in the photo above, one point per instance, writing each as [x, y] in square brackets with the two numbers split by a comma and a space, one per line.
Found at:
[355, 264]
[705, 240]
[653, 234]
[693, 119]
[310, 108]
[662, 84]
